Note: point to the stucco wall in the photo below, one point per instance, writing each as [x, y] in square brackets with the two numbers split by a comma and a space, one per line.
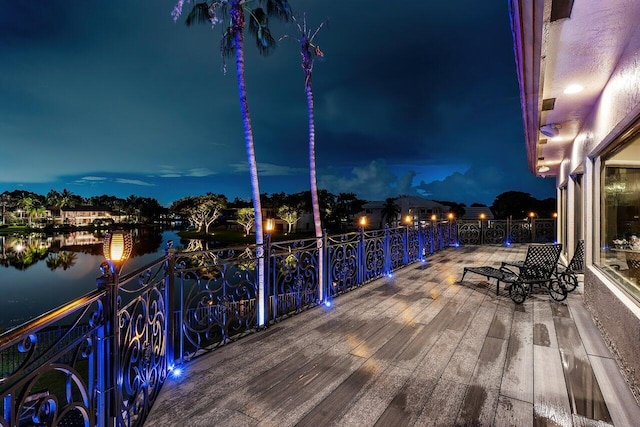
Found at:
[618, 325]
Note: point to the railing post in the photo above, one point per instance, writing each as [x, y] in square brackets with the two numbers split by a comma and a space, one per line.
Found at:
[387, 251]
[361, 257]
[102, 355]
[170, 298]
[432, 248]
[324, 266]
[109, 352]
[533, 230]
[266, 272]
[406, 245]
[421, 253]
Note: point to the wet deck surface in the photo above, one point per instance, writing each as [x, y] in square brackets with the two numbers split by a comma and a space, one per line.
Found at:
[420, 348]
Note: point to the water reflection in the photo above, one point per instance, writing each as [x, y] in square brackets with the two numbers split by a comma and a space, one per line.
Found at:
[44, 271]
[24, 251]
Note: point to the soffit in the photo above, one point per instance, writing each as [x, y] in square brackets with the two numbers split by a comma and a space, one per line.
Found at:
[582, 49]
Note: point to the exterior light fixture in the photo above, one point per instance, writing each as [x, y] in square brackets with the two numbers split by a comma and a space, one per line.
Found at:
[532, 214]
[270, 225]
[543, 169]
[551, 130]
[434, 217]
[483, 216]
[573, 88]
[450, 216]
[362, 221]
[408, 219]
[117, 248]
[555, 215]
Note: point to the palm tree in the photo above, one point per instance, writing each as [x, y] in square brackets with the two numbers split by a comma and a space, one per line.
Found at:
[390, 210]
[233, 42]
[309, 51]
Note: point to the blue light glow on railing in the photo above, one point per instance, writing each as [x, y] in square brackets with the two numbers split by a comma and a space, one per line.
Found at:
[175, 371]
[327, 303]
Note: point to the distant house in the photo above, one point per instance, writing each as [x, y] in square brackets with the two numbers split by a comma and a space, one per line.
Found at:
[476, 212]
[418, 208]
[86, 215]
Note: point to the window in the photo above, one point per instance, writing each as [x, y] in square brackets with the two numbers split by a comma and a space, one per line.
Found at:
[620, 217]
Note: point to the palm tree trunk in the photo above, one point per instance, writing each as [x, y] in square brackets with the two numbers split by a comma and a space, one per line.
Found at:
[237, 21]
[314, 185]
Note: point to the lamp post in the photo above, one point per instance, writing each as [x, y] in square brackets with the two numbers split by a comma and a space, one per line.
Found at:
[532, 219]
[451, 217]
[116, 249]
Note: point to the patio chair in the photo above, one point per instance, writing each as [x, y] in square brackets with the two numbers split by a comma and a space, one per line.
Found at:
[568, 274]
[538, 268]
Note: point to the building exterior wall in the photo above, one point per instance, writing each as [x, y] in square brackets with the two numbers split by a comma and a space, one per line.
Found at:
[616, 313]
[618, 323]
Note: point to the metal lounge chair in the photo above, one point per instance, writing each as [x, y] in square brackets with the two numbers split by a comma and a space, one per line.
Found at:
[538, 268]
[568, 274]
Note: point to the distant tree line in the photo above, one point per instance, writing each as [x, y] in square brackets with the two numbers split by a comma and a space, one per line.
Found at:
[32, 205]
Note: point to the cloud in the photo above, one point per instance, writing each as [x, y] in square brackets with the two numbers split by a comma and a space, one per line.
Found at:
[133, 182]
[479, 184]
[374, 181]
[172, 172]
[269, 169]
[199, 172]
[93, 178]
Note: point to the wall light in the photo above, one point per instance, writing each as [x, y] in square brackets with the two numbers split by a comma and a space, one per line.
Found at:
[551, 130]
[573, 88]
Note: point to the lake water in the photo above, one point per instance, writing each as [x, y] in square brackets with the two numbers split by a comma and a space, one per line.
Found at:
[39, 272]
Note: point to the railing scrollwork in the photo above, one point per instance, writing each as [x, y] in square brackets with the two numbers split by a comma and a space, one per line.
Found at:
[102, 358]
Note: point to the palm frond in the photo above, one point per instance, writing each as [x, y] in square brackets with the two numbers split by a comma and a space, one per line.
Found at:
[258, 19]
[227, 46]
[279, 8]
[199, 14]
[265, 41]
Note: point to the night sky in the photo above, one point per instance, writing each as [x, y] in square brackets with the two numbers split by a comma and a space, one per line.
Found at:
[115, 98]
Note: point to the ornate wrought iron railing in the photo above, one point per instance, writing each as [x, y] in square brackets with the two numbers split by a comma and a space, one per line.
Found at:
[102, 358]
[483, 232]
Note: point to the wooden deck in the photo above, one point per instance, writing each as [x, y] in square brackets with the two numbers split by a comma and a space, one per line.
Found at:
[419, 348]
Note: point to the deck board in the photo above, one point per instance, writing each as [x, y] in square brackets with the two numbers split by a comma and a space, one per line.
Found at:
[418, 348]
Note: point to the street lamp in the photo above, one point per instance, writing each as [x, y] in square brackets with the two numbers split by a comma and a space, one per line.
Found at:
[408, 220]
[362, 221]
[483, 216]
